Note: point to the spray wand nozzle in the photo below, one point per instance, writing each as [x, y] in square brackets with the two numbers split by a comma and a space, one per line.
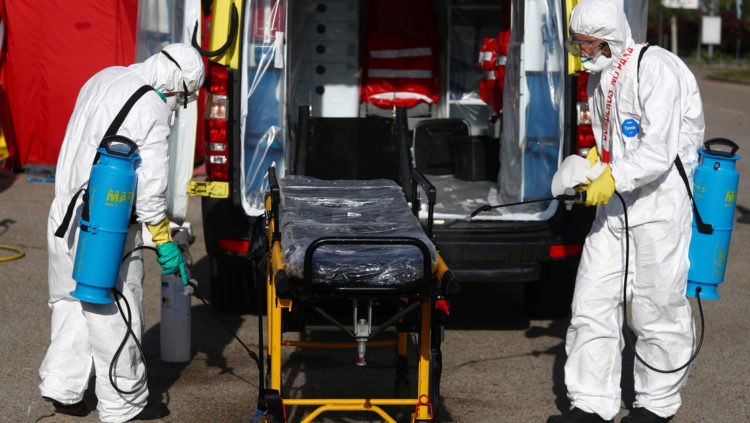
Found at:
[570, 197]
[481, 209]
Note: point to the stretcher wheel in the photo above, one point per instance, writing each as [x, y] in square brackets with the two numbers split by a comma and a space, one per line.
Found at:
[271, 401]
[439, 319]
[436, 368]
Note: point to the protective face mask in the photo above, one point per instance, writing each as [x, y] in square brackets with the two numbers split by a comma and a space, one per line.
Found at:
[596, 64]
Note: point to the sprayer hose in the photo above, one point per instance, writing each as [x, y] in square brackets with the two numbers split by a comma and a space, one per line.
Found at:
[628, 340]
[18, 255]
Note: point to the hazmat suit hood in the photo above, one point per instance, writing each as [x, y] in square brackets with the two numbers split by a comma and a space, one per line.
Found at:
[167, 76]
[605, 20]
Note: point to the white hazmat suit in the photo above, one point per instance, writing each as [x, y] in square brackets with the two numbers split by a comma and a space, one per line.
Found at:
[640, 127]
[85, 334]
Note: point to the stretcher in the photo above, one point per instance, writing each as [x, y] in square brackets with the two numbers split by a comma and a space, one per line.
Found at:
[360, 241]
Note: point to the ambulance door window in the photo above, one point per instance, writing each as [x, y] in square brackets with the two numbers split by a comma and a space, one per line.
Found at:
[469, 23]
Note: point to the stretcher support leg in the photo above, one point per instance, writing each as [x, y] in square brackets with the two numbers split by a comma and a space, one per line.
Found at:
[274, 316]
[269, 304]
[424, 411]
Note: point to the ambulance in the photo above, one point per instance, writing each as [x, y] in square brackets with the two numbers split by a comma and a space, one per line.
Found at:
[479, 95]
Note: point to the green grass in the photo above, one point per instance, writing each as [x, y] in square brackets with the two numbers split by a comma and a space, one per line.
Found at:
[739, 75]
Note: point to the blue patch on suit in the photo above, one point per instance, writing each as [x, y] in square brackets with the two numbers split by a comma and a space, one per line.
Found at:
[630, 128]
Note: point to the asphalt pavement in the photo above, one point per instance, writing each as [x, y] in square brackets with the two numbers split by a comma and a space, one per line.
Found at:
[499, 364]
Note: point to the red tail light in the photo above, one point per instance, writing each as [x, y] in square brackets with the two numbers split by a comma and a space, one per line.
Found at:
[234, 245]
[583, 81]
[584, 134]
[218, 78]
[565, 250]
[216, 140]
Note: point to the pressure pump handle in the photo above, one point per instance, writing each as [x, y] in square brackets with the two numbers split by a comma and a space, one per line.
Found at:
[110, 139]
[721, 141]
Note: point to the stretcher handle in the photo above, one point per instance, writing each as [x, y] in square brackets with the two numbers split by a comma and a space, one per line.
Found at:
[426, 185]
[401, 133]
[358, 240]
[448, 281]
[273, 183]
[429, 189]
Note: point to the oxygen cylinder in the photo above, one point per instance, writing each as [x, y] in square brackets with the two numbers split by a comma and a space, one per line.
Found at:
[106, 219]
[175, 310]
[715, 194]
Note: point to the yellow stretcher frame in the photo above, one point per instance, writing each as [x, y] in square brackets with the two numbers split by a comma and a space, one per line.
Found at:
[274, 307]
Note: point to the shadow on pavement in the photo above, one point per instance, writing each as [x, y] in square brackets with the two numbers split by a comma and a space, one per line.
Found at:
[488, 306]
[333, 373]
[558, 328]
[744, 214]
[208, 338]
[321, 373]
[6, 179]
[5, 225]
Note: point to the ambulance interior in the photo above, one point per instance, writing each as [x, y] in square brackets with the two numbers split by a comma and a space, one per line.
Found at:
[482, 82]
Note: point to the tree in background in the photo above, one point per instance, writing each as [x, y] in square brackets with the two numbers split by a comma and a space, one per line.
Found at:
[735, 31]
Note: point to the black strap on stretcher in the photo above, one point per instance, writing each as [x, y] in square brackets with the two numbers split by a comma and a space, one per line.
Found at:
[111, 131]
[703, 228]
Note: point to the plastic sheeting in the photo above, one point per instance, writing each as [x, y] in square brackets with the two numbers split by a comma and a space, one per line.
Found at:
[533, 117]
[160, 23]
[263, 112]
[637, 13]
[312, 208]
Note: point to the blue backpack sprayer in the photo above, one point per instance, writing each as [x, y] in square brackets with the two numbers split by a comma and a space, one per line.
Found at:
[715, 192]
[107, 206]
[715, 195]
[106, 220]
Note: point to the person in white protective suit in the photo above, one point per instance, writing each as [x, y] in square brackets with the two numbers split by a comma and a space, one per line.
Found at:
[85, 334]
[640, 126]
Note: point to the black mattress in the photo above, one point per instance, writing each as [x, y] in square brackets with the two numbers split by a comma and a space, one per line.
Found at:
[313, 208]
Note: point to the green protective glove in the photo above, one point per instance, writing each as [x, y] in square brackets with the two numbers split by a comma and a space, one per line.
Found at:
[171, 261]
[601, 189]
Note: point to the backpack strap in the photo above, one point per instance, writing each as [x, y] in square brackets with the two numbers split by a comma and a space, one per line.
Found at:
[112, 130]
[640, 56]
[60, 232]
[703, 228]
[115, 125]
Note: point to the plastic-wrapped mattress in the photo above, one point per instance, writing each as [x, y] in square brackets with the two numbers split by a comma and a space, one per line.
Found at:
[312, 208]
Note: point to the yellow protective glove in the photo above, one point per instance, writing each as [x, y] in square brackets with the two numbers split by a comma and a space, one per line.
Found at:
[593, 156]
[600, 190]
[160, 232]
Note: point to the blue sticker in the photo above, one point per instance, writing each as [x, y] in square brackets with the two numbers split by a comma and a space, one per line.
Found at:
[630, 128]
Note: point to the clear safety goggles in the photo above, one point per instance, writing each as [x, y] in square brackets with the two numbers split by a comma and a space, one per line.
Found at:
[183, 97]
[584, 48]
